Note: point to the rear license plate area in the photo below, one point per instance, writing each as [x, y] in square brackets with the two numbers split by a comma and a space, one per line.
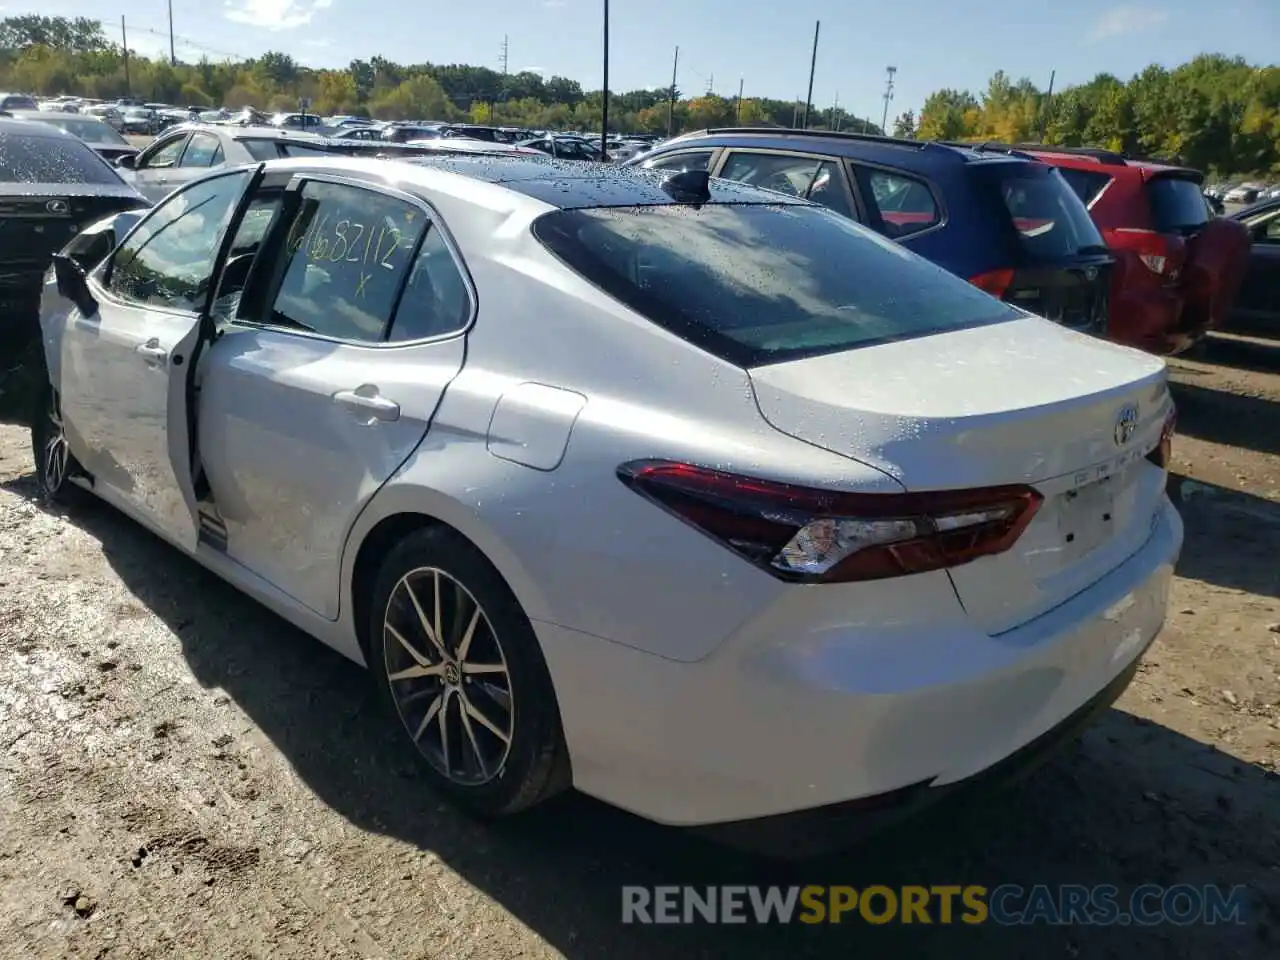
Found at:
[1087, 517]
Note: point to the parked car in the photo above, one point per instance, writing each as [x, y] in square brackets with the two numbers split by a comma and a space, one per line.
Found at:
[1245, 193]
[1178, 267]
[108, 113]
[297, 121]
[189, 151]
[140, 121]
[1008, 224]
[467, 145]
[52, 186]
[1259, 303]
[17, 101]
[109, 144]
[402, 409]
[563, 148]
[404, 132]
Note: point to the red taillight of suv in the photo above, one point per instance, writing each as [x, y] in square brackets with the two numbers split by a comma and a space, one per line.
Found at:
[994, 282]
[1162, 254]
[806, 535]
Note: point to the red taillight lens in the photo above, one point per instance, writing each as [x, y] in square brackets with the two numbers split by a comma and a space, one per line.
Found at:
[1163, 453]
[994, 282]
[1163, 255]
[821, 536]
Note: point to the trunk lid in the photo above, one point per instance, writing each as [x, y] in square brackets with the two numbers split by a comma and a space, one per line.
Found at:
[1061, 267]
[1018, 402]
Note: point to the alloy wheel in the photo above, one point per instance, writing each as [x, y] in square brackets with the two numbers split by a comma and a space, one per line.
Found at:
[57, 455]
[448, 676]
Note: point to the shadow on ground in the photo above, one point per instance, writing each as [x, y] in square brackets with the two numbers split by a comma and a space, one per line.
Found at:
[1242, 353]
[1224, 545]
[1250, 423]
[1133, 803]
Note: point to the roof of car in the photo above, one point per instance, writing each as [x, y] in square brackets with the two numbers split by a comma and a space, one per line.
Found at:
[53, 116]
[890, 150]
[572, 184]
[30, 128]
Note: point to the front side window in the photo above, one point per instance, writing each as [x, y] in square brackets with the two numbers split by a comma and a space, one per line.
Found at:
[347, 254]
[682, 162]
[51, 159]
[756, 284]
[168, 260]
[784, 174]
[165, 155]
[201, 150]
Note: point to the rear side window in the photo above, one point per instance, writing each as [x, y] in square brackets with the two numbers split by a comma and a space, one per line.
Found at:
[52, 159]
[905, 205]
[1177, 205]
[262, 149]
[757, 284]
[1087, 184]
[1051, 222]
[345, 261]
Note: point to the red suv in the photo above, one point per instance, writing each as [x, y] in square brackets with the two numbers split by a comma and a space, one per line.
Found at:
[1178, 267]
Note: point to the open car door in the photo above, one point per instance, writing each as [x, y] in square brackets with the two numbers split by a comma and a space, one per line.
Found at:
[131, 346]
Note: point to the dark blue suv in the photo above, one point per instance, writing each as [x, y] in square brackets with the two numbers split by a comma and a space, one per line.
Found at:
[1004, 221]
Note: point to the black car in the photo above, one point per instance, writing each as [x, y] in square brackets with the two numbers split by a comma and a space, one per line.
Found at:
[1258, 304]
[93, 131]
[52, 185]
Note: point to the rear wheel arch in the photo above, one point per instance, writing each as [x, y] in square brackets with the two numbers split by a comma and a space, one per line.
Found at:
[396, 526]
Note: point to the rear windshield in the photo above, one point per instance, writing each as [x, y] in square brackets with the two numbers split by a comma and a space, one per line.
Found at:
[758, 284]
[1177, 206]
[51, 159]
[1051, 221]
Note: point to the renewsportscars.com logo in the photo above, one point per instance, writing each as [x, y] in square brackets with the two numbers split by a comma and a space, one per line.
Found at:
[1005, 905]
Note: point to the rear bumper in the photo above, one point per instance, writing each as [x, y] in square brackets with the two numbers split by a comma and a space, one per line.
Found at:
[787, 717]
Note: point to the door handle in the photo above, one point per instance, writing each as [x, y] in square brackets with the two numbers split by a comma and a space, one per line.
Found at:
[368, 404]
[153, 352]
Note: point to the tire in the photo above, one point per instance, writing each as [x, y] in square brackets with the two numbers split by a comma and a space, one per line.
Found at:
[481, 717]
[54, 463]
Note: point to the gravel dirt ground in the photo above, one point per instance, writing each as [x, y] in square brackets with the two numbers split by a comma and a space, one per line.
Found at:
[184, 775]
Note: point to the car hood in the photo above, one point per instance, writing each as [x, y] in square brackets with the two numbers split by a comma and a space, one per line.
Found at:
[69, 190]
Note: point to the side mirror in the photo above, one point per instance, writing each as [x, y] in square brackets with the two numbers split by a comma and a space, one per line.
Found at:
[128, 162]
[73, 284]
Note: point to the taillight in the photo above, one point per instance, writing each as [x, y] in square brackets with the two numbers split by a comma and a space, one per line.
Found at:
[1163, 255]
[807, 535]
[1163, 452]
[994, 282]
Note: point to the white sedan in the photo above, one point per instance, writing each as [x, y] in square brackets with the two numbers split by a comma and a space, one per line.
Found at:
[706, 501]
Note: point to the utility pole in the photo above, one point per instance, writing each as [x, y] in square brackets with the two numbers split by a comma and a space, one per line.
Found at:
[795, 113]
[671, 98]
[173, 59]
[1048, 100]
[124, 49]
[813, 65]
[835, 107]
[604, 103]
[888, 95]
[711, 84]
[737, 113]
[503, 59]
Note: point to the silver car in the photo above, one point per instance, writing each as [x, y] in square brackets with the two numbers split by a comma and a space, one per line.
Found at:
[700, 498]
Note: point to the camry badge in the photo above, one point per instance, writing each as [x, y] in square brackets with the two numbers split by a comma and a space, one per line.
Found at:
[1126, 425]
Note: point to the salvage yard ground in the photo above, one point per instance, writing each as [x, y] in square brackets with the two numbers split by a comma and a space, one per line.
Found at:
[184, 775]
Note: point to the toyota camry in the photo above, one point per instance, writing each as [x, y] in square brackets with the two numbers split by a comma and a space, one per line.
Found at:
[703, 500]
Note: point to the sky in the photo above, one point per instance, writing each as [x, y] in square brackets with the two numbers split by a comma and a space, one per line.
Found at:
[764, 43]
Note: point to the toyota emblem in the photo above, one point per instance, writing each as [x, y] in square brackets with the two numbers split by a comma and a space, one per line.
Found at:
[1091, 273]
[58, 207]
[1126, 425]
